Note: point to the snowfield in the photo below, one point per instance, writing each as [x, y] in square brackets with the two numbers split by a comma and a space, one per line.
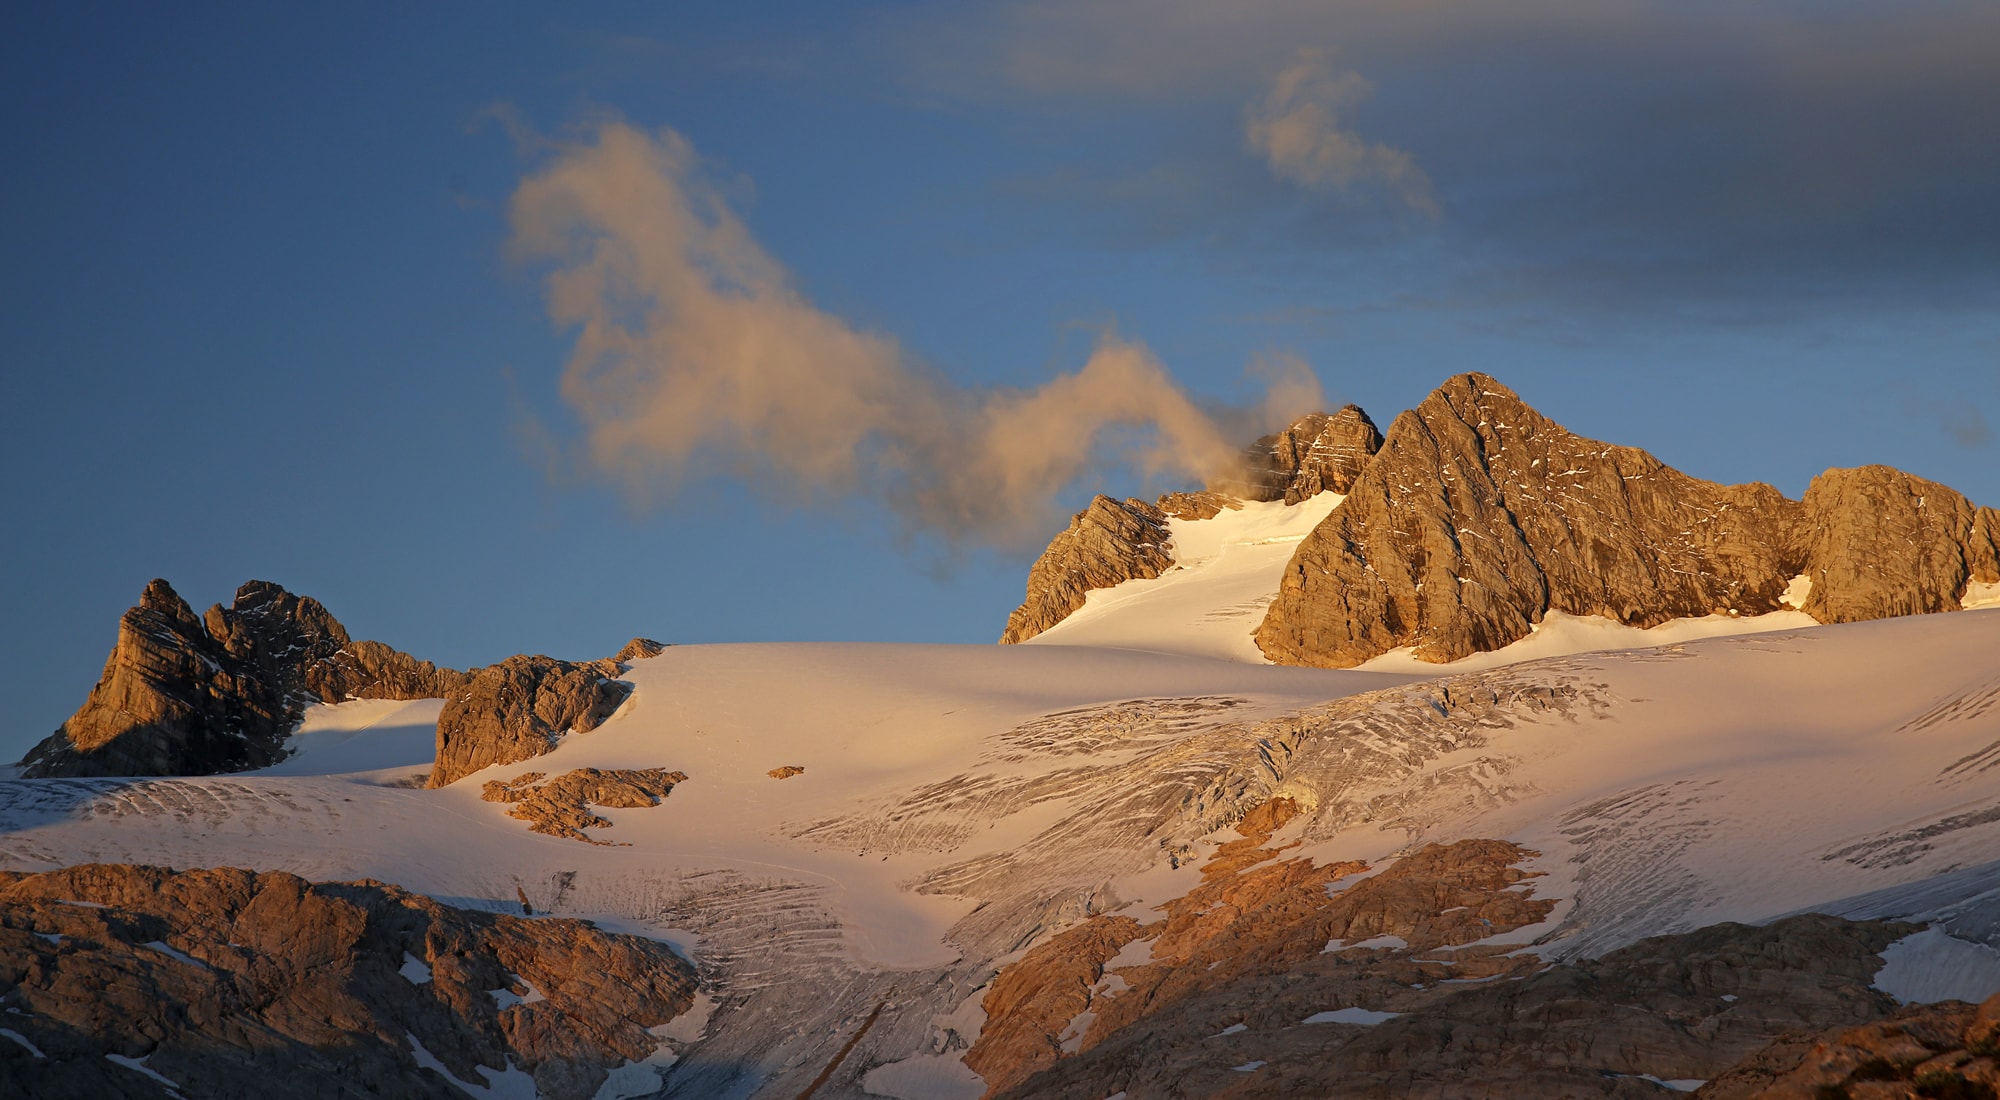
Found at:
[960, 802]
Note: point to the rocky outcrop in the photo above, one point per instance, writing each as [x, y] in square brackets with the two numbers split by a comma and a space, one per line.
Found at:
[1877, 542]
[1928, 1050]
[1248, 923]
[1108, 543]
[638, 649]
[225, 982]
[1318, 453]
[182, 695]
[1114, 541]
[786, 772]
[1479, 516]
[520, 708]
[561, 806]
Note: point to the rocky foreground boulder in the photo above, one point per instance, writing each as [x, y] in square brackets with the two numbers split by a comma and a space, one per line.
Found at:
[187, 695]
[522, 707]
[1479, 516]
[122, 980]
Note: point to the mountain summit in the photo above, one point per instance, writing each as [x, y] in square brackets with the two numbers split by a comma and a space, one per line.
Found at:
[1476, 517]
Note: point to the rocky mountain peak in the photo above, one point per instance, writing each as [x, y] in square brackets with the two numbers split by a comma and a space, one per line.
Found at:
[1479, 515]
[187, 695]
[1317, 453]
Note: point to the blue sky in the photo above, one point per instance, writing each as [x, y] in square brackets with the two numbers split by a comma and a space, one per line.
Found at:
[264, 312]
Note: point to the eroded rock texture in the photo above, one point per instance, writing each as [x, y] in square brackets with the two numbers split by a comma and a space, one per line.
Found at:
[1278, 978]
[520, 708]
[1479, 516]
[1110, 542]
[235, 983]
[1949, 1049]
[183, 695]
[561, 806]
[1318, 453]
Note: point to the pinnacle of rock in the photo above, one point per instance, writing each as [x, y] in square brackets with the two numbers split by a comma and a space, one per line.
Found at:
[188, 695]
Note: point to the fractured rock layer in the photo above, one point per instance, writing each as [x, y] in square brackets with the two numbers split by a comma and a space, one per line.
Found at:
[182, 695]
[1318, 453]
[520, 708]
[561, 806]
[1950, 1049]
[227, 982]
[1108, 543]
[1479, 516]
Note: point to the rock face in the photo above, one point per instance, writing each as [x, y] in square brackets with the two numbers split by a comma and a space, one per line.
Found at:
[561, 806]
[1113, 541]
[518, 710]
[1949, 1049]
[1278, 978]
[1479, 516]
[183, 695]
[1318, 453]
[1110, 542]
[236, 983]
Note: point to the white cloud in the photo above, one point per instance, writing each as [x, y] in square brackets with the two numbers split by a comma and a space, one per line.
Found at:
[1297, 129]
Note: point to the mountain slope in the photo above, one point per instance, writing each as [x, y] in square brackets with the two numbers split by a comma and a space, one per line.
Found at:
[961, 807]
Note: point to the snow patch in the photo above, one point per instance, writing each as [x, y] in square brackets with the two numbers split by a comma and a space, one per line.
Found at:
[925, 1077]
[689, 1026]
[504, 999]
[23, 1040]
[1248, 1067]
[511, 1083]
[139, 1065]
[1232, 1029]
[1562, 635]
[1362, 1016]
[1383, 943]
[415, 969]
[178, 956]
[1227, 570]
[1980, 594]
[1933, 966]
[1797, 592]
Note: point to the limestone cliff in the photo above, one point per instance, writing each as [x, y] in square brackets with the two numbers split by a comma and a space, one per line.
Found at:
[520, 708]
[238, 983]
[182, 695]
[1479, 516]
[1318, 453]
[1110, 542]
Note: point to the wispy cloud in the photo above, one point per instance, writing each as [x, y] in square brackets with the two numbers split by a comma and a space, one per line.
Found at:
[1297, 129]
[693, 347]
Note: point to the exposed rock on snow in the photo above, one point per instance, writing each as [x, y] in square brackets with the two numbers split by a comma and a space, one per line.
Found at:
[1318, 453]
[183, 695]
[1246, 922]
[518, 710]
[1479, 516]
[276, 982]
[786, 772]
[1674, 1008]
[561, 806]
[1109, 542]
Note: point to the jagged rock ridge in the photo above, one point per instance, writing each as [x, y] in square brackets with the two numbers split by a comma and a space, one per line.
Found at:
[1479, 516]
[182, 695]
[232, 983]
[1318, 453]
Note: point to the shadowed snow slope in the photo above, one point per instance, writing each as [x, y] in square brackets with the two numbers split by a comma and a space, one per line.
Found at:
[1227, 571]
[960, 803]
